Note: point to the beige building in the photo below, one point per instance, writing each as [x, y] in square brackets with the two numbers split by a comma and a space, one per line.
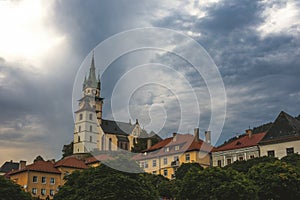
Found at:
[283, 138]
[243, 147]
[43, 178]
[91, 132]
[167, 155]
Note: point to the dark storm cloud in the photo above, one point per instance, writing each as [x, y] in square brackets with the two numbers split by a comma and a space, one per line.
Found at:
[260, 73]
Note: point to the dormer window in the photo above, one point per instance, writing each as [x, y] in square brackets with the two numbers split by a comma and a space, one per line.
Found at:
[167, 149]
[238, 143]
[176, 147]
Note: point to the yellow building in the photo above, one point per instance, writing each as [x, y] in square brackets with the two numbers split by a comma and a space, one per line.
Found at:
[43, 178]
[166, 156]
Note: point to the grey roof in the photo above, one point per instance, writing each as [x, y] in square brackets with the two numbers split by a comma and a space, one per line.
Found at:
[92, 81]
[115, 127]
[8, 166]
[285, 126]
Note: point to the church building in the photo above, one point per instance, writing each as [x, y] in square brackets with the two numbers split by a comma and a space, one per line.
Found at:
[91, 132]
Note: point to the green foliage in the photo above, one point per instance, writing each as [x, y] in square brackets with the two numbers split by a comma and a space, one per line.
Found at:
[106, 183]
[11, 191]
[67, 150]
[244, 166]
[185, 167]
[277, 180]
[216, 183]
[293, 159]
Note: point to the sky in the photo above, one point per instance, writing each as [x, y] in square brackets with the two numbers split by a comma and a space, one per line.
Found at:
[46, 47]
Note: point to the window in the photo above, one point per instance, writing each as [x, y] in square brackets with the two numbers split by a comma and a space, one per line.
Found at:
[219, 163]
[146, 164]
[252, 156]
[91, 117]
[241, 158]
[109, 144]
[289, 151]
[91, 139]
[52, 181]
[165, 160]
[228, 161]
[176, 147]
[187, 157]
[43, 191]
[154, 172]
[176, 158]
[271, 153]
[52, 193]
[35, 179]
[34, 191]
[79, 128]
[43, 180]
[78, 138]
[80, 116]
[165, 172]
[91, 128]
[153, 163]
[167, 149]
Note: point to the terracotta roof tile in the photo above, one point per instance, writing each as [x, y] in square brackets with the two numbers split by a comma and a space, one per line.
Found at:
[40, 166]
[71, 162]
[97, 158]
[242, 142]
[186, 142]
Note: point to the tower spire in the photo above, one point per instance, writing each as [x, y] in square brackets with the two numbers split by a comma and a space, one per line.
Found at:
[91, 80]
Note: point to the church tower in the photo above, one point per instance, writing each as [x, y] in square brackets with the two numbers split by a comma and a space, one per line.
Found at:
[88, 117]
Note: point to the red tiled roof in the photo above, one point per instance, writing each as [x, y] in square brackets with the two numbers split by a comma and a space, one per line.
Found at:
[71, 162]
[40, 166]
[242, 142]
[97, 158]
[186, 142]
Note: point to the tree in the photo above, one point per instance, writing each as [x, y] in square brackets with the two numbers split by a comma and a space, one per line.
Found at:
[185, 167]
[277, 180]
[106, 183]
[67, 150]
[293, 159]
[11, 191]
[244, 166]
[216, 183]
[298, 117]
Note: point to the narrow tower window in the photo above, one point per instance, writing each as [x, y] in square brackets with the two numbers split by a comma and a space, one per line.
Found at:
[109, 144]
[78, 138]
[91, 117]
[91, 128]
[80, 116]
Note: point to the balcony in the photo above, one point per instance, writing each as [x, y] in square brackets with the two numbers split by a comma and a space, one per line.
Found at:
[175, 163]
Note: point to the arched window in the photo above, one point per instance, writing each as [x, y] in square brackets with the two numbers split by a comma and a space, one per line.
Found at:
[78, 138]
[109, 144]
[79, 128]
[91, 128]
[80, 116]
[103, 142]
[91, 116]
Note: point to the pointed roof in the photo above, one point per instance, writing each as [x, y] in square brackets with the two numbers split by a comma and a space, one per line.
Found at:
[72, 163]
[284, 128]
[86, 106]
[8, 166]
[243, 141]
[39, 166]
[92, 81]
[186, 143]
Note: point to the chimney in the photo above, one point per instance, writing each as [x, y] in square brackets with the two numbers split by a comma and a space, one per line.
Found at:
[149, 143]
[22, 164]
[196, 134]
[207, 137]
[249, 132]
[174, 137]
